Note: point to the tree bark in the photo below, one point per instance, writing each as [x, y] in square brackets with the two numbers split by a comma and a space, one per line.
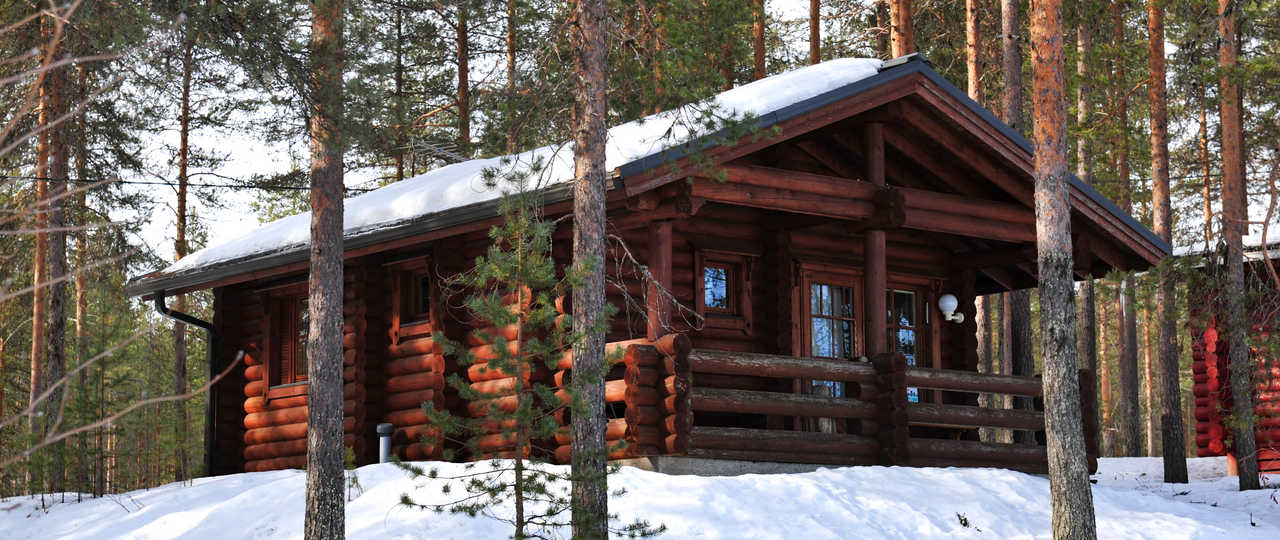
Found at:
[180, 250]
[815, 31]
[39, 277]
[1204, 171]
[511, 74]
[1012, 65]
[903, 35]
[588, 466]
[56, 339]
[971, 44]
[1084, 170]
[1069, 487]
[1148, 385]
[324, 507]
[884, 26]
[1234, 216]
[757, 39]
[1128, 430]
[464, 85]
[985, 359]
[1016, 337]
[1172, 436]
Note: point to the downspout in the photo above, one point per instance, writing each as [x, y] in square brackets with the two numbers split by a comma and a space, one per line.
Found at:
[211, 347]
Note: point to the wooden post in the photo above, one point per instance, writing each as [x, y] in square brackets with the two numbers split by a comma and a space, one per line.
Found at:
[659, 309]
[891, 408]
[874, 276]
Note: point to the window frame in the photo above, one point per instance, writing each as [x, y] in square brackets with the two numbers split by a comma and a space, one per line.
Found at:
[280, 346]
[738, 276]
[407, 275]
[851, 280]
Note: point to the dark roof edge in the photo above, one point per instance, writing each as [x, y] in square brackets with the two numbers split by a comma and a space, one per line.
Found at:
[145, 285]
[1025, 144]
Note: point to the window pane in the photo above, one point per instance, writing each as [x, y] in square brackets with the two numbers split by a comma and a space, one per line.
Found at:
[422, 295]
[304, 325]
[823, 341]
[715, 287]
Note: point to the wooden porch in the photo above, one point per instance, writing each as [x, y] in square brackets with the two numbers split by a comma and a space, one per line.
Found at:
[666, 398]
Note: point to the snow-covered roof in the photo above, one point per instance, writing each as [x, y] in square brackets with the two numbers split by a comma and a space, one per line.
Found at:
[461, 185]
[1253, 244]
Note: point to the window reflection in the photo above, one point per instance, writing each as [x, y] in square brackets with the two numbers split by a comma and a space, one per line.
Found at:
[902, 330]
[716, 288]
[831, 316]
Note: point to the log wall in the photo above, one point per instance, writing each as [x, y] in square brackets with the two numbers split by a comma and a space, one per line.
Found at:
[1211, 372]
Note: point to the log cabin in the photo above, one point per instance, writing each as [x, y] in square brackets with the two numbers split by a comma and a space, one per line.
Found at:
[823, 275]
[1211, 365]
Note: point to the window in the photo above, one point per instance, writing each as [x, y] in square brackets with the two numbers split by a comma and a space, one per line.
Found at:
[416, 303]
[718, 287]
[290, 321]
[832, 327]
[723, 288]
[903, 327]
[411, 304]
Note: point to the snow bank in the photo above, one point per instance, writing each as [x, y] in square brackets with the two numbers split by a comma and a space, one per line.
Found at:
[462, 184]
[857, 502]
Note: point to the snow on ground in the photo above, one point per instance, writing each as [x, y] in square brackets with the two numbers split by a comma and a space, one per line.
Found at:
[857, 502]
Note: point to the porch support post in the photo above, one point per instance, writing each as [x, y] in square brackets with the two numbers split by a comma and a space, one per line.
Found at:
[658, 307]
[874, 273]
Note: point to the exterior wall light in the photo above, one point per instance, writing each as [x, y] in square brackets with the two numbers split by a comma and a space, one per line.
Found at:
[947, 303]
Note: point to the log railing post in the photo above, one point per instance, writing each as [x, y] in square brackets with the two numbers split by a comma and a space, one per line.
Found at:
[657, 304]
[1089, 412]
[891, 408]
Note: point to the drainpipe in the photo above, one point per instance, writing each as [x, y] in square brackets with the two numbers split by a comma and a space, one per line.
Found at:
[211, 348]
[384, 442]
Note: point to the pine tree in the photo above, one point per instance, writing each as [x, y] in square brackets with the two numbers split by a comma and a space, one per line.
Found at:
[1069, 486]
[325, 454]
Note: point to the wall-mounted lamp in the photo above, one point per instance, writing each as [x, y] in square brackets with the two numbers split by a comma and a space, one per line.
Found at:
[947, 303]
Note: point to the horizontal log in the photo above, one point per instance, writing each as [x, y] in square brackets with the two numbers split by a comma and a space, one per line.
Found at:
[276, 464]
[416, 451]
[295, 447]
[777, 366]
[416, 381]
[255, 388]
[350, 340]
[480, 408]
[563, 453]
[776, 440]
[976, 450]
[416, 363]
[260, 404]
[615, 429]
[643, 415]
[496, 387]
[288, 431]
[292, 415]
[407, 417]
[485, 336]
[777, 403]
[969, 416]
[415, 434]
[968, 381]
[410, 400]
[610, 349]
[637, 356]
[254, 373]
[413, 346]
[782, 457]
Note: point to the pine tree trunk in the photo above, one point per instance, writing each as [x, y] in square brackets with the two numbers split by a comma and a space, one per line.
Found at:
[1016, 337]
[56, 345]
[1069, 487]
[464, 85]
[1108, 377]
[39, 278]
[815, 31]
[971, 42]
[1148, 385]
[1011, 62]
[82, 301]
[181, 419]
[884, 26]
[1204, 171]
[757, 40]
[1233, 224]
[983, 322]
[399, 107]
[325, 453]
[588, 468]
[1084, 170]
[1172, 446]
[903, 35]
[511, 74]
[1127, 427]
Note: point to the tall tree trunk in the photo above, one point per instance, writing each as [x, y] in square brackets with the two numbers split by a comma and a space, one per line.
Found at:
[1084, 170]
[82, 295]
[986, 360]
[39, 277]
[815, 31]
[757, 40]
[1127, 427]
[1234, 215]
[903, 35]
[1172, 435]
[324, 508]
[1148, 384]
[885, 28]
[1107, 376]
[56, 344]
[399, 105]
[971, 43]
[464, 85]
[181, 419]
[1015, 336]
[511, 75]
[1012, 65]
[1069, 487]
[1204, 171]
[590, 490]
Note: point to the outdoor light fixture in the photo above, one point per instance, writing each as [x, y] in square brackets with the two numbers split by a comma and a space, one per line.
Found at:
[947, 303]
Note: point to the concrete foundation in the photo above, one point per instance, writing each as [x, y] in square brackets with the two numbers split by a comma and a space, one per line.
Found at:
[695, 466]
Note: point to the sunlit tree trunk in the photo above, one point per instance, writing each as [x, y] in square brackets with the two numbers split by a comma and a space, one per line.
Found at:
[1069, 487]
[757, 40]
[902, 35]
